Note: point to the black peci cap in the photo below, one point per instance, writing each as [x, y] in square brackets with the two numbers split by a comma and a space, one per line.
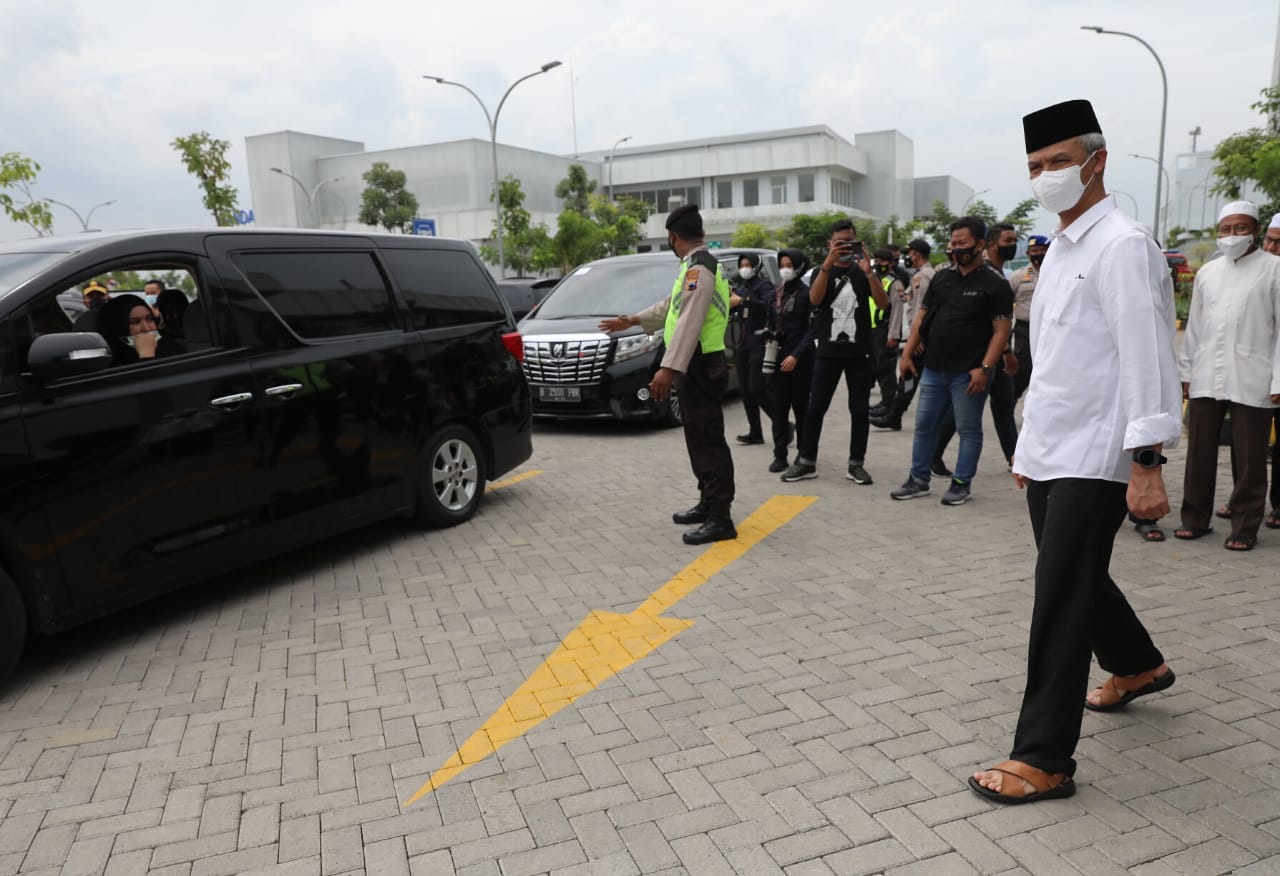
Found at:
[1059, 122]
[884, 254]
[686, 222]
[921, 246]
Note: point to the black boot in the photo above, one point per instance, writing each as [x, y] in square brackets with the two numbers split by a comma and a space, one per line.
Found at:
[779, 464]
[887, 421]
[715, 529]
[751, 438]
[696, 514]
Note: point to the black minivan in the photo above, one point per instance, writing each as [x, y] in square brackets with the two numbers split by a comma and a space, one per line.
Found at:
[288, 386]
[577, 371]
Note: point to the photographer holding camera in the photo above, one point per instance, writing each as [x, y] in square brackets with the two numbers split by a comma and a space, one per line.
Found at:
[842, 297]
[788, 357]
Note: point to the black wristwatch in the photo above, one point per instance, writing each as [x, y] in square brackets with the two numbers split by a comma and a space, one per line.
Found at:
[988, 370]
[1147, 457]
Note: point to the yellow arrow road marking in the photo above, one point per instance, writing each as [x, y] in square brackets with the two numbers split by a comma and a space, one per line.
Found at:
[514, 479]
[606, 643]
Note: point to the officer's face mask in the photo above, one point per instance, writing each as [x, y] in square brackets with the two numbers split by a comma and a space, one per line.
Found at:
[1036, 259]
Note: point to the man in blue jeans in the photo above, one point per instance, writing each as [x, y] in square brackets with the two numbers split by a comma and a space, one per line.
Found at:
[963, 328]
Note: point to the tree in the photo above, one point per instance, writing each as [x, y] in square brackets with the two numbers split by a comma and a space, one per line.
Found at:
[578, 239]
[385, 201]
[810, 233]
[753, 235]
[18, 173]
[206, 159]
[621, 222]
[576, 189]
[521, 239]
[1253, 156]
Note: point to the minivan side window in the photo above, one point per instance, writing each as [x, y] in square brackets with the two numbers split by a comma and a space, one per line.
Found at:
[444, 287]
[322, 294]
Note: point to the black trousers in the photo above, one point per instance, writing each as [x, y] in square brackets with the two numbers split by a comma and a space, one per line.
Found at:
[751, 385]
[1250, 429]
[702, 388]
[1022, 349]
[1275, 464]
[1078, 609]
[1003, 398]
[886, 364]
[826, 377]
[789, 393]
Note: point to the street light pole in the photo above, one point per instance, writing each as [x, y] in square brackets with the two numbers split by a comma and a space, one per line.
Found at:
[1163, 174]
[1164, 111]
[1131, 198]
[309, 195]
[84, 220]
[969, 200]
[611, 151]
[493, 140]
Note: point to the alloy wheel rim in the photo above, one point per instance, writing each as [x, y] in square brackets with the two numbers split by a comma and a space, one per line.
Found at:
[454, 474]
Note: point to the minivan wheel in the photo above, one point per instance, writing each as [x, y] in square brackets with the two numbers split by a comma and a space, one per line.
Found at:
[452, 479]
[671, 412]
[13, 626]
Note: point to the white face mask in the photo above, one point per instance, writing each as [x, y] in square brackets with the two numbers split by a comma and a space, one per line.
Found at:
[1060, 190]
[1235, 245]
[746, 273]
[788, 274]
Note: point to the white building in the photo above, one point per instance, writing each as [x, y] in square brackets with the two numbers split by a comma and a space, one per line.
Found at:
[767, 177]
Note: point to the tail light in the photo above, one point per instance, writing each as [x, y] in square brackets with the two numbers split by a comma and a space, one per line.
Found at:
[514, 344]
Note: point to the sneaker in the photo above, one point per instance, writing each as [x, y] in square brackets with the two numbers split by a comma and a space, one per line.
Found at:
[800, 471]
[940, 469]
[910, 489]
[858, 474]
[958, 494]
[779, 464]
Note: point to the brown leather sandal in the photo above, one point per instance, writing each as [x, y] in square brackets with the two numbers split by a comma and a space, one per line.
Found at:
[1118, 690]
[1048, 786]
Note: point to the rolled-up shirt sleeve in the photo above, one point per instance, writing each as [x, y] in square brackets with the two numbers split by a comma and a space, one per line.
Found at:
[1140, 317]
[695, 301]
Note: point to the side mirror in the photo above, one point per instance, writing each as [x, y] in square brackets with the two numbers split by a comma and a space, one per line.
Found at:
[67, 354]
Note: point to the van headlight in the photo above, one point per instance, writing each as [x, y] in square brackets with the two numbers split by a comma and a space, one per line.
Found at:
[636, 345]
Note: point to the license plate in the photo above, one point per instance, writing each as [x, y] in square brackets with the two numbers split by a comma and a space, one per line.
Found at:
[560, 393]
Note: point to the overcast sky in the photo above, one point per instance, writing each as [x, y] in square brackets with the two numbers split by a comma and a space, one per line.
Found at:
[96, 89]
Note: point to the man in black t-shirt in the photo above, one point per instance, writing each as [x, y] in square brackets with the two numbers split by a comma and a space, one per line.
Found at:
[964, 327]
[840, 295]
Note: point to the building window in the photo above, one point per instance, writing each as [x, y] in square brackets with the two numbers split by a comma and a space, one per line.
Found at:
[724, 194]
[778, 187]
[751, 193]
[842, 192]
[806, 188]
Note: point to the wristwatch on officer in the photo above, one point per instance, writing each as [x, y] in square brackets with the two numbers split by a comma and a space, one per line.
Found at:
[988, 370]
[1148, 457]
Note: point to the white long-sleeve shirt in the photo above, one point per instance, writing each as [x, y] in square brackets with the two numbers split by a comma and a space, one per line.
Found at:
[1106, 380]
[1231, 348]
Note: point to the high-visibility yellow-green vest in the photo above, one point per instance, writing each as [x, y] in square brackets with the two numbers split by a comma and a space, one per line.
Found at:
[877, 314]
[711, 338]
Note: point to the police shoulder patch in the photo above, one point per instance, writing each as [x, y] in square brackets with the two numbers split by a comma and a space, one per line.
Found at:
[691, 279]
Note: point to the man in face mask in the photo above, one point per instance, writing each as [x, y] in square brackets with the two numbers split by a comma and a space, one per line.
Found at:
[1230, 361]
[1002, 247]
[750, 302]
[1105, 402]
[1023, 281]
[964, 327]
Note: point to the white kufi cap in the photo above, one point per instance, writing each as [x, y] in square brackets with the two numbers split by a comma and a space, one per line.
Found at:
[1242, 208]
[1275, 221]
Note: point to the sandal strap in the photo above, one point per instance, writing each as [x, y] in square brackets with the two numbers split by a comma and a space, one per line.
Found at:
[1128, 685]
[1038, 779]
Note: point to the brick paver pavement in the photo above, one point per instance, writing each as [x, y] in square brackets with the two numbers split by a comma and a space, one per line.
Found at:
[840, 682]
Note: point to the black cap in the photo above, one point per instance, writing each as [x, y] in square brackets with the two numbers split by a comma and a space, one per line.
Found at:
[686, 222]
[1059, 122]
[921, 246]
[884, 254]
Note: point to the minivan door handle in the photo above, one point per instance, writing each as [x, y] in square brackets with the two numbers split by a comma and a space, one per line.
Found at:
[284, 390]
[231, 402]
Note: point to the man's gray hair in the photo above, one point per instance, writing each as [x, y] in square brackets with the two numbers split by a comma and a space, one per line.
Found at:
[1092, 142]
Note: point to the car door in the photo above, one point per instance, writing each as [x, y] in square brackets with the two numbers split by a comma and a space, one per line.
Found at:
[146, 471]
[328, 353]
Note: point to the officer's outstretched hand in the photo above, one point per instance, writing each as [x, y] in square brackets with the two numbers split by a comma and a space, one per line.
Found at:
[615, 324]
[660, 386]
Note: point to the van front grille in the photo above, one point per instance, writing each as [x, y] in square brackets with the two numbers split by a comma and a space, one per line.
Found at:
[565, 360]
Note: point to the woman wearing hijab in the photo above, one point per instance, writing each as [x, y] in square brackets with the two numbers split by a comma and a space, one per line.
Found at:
[132, 330]
[750, 302]
[788, 325]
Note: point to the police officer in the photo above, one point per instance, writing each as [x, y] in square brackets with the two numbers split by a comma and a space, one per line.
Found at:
[694, 319]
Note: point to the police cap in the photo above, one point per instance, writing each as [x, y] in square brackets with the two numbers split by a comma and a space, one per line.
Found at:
[686, 222]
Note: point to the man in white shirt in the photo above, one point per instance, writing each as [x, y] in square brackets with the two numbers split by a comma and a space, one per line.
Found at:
[1230, 361]
[1104, 400]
